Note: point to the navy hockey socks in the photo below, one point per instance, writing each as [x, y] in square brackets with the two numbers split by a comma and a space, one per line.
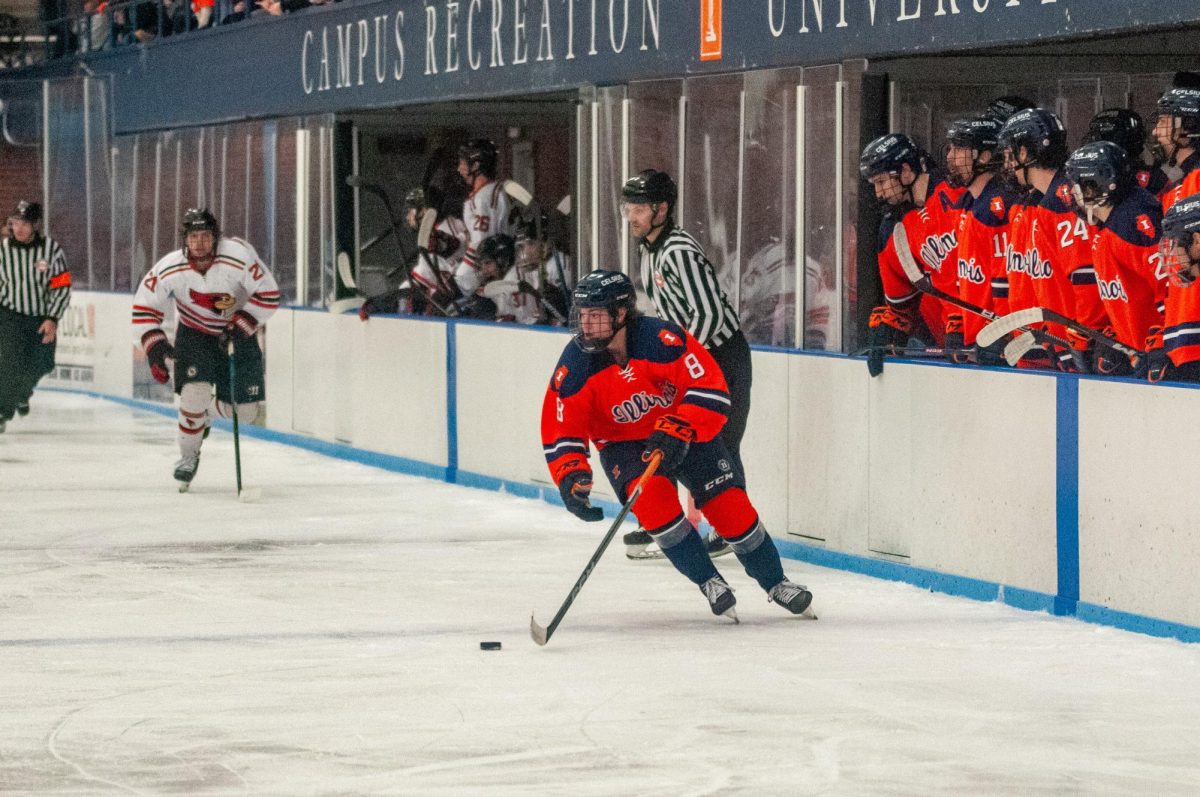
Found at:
[681, 544]
[757, 552]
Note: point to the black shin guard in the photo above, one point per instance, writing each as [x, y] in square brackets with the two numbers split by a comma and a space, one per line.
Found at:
[757, 552]
[681, 544]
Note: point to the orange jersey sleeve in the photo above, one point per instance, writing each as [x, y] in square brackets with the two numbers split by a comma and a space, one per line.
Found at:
[1129, 273]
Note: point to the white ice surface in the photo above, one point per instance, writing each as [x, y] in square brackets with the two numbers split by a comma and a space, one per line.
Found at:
[326, 641]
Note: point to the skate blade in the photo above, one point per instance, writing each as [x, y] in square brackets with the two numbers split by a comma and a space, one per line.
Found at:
[731, 613]
[183, 486]
[639, 552]
[249, 495]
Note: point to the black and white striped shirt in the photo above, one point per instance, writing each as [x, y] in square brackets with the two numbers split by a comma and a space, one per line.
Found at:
[34, 279]
[684, 288]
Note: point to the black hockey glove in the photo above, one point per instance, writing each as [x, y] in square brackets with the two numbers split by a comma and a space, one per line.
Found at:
[158, 351]
[1158, 365]
[955, 346]
[1112, 363]
[575, 488]
[887, 333]
[672, 436]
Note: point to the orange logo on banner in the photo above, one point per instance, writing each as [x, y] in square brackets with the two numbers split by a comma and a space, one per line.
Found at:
[710, 30]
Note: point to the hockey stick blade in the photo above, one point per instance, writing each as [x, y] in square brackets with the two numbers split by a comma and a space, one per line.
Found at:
[518, 192]
[425, 231]
[1018, 348]
[542, 635]
[1006, 324]
[343, 270]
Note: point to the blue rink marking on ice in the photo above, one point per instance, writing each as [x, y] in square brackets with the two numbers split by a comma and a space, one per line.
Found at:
[1065, 604]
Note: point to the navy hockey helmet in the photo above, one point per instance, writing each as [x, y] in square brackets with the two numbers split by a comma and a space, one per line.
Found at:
[1100, 173]
[500, 249]
[610, 290]
[27, 211]
[649, 187]
[1042, 135]
[1180, 226]
[1180, 102]
[1002, 108]
[980, 133]
[481, 156]
[1122, 127]
[887, 154]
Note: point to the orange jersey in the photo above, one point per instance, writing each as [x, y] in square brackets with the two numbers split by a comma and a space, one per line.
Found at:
[979, 259]
[930, 231]
[1188, 185]
[1064, 279]
[1129, 273]
[591, 399]
[1020, 252]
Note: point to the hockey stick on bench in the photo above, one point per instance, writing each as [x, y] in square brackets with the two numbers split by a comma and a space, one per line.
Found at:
[542, 635]
[1015, 350]
[1039, 315]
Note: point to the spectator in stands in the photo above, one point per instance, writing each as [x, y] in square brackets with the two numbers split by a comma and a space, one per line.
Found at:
[94, 27]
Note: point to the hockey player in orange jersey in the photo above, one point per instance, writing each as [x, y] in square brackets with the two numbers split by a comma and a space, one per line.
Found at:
[636, 387]
[1176, 131]
[1178, 357]
[919, 199]
[972, 162]
[1059, 262]
[1125, 248]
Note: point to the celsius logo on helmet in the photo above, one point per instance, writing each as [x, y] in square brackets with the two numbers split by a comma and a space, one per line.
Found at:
[607, 290]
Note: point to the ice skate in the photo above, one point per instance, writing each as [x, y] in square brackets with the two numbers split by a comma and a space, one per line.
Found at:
[794, 597]
[185, 470]
[23, 409]
[3, 423]
[720, 597]
[637, 545]
[716, 546]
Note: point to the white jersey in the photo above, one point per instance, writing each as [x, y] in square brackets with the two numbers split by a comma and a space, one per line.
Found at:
[422, 274]
[237, 283]
[485, 214]
[511, 303]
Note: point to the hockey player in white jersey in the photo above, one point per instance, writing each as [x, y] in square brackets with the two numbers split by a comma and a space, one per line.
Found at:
[220, 291]
[485, 211]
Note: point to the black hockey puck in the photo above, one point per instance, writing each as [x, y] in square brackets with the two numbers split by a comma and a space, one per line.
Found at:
[489, 645]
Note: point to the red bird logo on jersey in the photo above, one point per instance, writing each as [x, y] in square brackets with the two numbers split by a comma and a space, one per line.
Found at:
[669, 338]
[997, 205]
[559, 376]
[1145, 225]
[217, 302]
[1064, 194]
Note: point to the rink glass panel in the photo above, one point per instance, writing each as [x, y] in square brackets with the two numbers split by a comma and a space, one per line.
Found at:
[768, 225]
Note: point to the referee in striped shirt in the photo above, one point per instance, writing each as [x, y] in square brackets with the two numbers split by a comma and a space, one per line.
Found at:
[35, 289]
[683, 285]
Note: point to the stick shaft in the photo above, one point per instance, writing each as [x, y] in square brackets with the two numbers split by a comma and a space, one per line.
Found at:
[591, 565]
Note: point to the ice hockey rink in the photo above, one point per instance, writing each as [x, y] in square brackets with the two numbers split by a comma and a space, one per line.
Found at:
[325, 640]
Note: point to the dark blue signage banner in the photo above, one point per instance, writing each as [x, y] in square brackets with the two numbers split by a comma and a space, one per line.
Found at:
[394, 52]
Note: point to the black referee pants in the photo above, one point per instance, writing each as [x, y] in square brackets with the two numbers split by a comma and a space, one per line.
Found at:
[734, 358]
[24, 359]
